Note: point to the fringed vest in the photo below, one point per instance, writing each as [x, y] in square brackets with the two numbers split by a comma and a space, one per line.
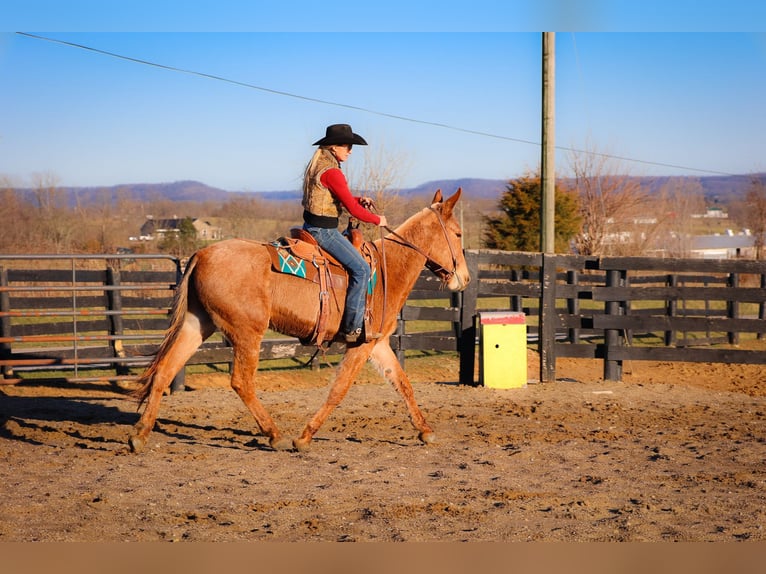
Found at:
[321, 208]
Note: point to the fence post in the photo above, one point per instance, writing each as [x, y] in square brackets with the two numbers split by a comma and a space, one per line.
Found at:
[179, 382]
[516, 301]
[626, 308]
[467, 337]
[671, 309]
[762, 305]
[6, 349]
[548, 319]
[732, 308]
[612, 368]
[573, 305]
[114, 304]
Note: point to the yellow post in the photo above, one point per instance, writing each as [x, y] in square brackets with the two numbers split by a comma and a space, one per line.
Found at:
[503, 349]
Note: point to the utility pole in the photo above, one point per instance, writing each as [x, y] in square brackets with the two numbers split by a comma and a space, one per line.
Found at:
[547, 167]
[547, 327]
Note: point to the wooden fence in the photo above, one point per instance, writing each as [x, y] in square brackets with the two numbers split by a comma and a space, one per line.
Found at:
[80, 318]
[620, 308]
[100, 316]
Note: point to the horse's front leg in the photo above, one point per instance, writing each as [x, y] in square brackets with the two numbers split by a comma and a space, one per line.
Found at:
[385, 359]
[352, 363]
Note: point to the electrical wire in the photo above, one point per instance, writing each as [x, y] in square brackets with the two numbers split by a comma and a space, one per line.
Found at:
[359, 108]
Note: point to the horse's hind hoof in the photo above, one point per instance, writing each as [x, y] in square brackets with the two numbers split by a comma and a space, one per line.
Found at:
[281, 444]
[427, 437]
[301, 445]
[136, 444]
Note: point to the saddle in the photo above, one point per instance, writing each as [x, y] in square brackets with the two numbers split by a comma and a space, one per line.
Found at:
[300, 255]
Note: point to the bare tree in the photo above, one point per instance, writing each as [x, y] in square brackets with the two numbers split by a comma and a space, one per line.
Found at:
[55, 222]
[613, 205]
[252, 217]
[13, 231]
[100, 221]
[755, 215]
[45, 186]
[679, 201]
[379, 178]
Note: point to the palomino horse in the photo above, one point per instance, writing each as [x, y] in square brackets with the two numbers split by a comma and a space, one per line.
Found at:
[231, 286]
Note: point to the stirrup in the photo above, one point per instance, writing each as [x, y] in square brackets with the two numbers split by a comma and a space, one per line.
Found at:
[353, 336]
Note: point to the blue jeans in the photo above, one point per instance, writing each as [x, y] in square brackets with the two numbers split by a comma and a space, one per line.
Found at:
[333, 241]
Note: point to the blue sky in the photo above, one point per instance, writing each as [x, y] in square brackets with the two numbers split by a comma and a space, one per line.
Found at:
[446, 93]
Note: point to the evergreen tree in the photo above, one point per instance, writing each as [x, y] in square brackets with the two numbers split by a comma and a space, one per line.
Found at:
[517, 225]
[183, 241]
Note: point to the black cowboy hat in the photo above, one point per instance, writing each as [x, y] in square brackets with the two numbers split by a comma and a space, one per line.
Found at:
[339, 134]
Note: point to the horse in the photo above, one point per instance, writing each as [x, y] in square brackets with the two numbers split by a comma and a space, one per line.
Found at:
[232, 286]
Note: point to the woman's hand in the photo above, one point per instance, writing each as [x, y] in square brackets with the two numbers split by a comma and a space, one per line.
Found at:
[367, 202]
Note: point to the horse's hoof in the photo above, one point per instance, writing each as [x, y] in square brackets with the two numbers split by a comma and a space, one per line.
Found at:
[281, 443]
[136, 444]
[301, 445]
[427, 437]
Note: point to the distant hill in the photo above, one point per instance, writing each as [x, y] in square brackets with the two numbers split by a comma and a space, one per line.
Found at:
[176, 191]
[472, 187]
[717, 189]
[200, 192]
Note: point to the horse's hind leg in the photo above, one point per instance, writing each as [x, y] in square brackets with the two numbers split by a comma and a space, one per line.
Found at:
[385, 359]
[351, 364]
[189, 338]
[243, 371]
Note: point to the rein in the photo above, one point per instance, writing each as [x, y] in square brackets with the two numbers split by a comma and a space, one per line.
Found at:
[436, 268]
[432, 265]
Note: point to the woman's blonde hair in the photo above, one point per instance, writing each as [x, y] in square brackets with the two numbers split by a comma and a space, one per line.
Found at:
[321, 156]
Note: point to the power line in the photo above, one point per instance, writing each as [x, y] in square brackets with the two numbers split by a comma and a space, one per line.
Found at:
[355, 108]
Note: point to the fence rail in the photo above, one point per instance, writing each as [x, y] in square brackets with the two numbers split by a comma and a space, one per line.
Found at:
[623, 308]
[109, 312]
[74, 312]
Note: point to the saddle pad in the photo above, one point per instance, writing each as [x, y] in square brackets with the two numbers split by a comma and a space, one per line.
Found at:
[290, 264]
[302, 260]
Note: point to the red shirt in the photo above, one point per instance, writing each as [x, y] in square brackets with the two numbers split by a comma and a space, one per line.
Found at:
[334, 180]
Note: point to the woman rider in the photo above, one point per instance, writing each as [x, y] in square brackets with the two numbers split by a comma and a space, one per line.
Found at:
[325, 193]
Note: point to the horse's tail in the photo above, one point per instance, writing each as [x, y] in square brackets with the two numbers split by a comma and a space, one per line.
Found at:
[177, 316]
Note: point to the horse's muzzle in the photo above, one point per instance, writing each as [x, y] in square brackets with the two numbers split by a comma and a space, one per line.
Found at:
[457, 281]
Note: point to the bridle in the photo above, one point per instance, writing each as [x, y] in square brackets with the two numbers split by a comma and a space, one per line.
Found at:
[435, 267]
[443, 274]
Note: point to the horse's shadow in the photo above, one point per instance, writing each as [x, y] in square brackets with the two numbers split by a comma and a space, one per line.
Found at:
[212, 436]
[33, 419]
[41, 421]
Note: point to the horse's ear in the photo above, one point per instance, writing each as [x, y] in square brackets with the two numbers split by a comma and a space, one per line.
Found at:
[450, 203]
[437, 197]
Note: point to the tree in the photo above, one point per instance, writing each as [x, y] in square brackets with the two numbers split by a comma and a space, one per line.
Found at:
[517, 225]
[611, 202]
[755, 216]
[679, 201]
[183, 241]
[54, 221]
[378, 178]
[251, 217]
[14, 232]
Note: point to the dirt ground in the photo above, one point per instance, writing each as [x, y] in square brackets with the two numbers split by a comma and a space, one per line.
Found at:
[674, 452]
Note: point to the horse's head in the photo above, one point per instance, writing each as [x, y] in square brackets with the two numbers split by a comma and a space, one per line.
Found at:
[446, 249]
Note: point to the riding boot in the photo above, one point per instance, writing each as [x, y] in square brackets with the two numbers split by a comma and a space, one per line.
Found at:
[353, 336]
